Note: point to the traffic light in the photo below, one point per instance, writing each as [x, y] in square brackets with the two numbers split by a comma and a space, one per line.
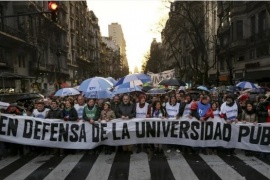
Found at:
[53, 7]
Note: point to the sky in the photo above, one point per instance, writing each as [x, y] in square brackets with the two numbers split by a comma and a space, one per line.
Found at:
[140, 21]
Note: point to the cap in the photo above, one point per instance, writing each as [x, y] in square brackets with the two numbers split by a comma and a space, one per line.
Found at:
[108, 103]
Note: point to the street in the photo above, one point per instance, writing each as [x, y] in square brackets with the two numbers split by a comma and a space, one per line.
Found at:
[120, 166]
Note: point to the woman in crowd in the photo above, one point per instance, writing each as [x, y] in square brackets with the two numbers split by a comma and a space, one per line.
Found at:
[158, 111]
[142, 111]
[69, 112]
[107, 114]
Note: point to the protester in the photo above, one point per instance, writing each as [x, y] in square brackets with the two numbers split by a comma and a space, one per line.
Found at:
[142, 111]
[40, 111]
[80, 106]
[158, 111]
[231, 112]
[172, 108]
[69, 112]
[126, 111]
[107, 114]
[202, 111]
[91, 114]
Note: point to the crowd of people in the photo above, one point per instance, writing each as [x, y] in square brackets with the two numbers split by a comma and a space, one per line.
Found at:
[174, 104]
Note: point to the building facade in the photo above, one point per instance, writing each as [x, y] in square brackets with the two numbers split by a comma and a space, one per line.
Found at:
[111, 57]
[115, 31]
[244, 41]
[40, 54]
[188, 40]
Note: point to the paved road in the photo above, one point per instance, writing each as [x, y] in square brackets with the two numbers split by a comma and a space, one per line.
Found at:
[119, 166]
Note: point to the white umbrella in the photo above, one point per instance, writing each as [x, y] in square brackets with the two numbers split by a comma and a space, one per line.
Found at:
[95, 84]
[67, 92]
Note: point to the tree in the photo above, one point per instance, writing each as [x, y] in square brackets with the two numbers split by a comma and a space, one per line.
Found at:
[190, 37]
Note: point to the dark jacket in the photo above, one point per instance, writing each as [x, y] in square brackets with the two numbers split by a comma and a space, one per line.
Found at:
[182, 108]
[55, 114]
[262, 111]
[97, 115]
[126, 110]
[72, 115]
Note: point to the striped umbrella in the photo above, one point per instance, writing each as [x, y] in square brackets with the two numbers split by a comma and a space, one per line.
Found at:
[132, 77]
[95, 84]
[246, 85]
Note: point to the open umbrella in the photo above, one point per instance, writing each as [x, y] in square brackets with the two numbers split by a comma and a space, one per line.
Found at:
[126, 90]
[156, 91]
[67, 92]
[95, 84]
[112, 80]
[131, 77]
[203, 88]
[246, 85]
[172, 82]
[130, 84]
[105, 94]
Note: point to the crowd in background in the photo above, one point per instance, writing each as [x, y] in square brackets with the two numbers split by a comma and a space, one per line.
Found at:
[174, 104]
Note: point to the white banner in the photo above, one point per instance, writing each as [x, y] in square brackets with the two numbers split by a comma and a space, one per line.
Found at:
[156, 78]
[83, 135]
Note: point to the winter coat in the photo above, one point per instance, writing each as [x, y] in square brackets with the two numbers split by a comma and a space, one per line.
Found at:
[107, 115]
[72, 115]
[55, 114]
[126, 110]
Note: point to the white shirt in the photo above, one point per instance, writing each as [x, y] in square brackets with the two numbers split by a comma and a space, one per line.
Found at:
[141, 112]
[42, 114]
[79, 109]
[172, 111]
[187, 110]
[231, 112]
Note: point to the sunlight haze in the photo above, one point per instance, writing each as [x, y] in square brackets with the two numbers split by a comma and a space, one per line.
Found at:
[139, 19]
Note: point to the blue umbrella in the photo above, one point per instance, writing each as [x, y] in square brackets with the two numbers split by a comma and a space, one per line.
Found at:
[131, 77]
[105, 94]
[126, 90]
[203, 88]
[112, 80]
[130, 84]
[95, 84]
[67, 92]
[246, 85]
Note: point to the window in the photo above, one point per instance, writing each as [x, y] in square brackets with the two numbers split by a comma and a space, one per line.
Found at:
[252, 54]
[21, 61]
[262, 51]
[253, 25]
[262, 21]
[239, 30]
[241, 58]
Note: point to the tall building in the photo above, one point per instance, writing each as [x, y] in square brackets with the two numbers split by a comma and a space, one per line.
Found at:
[115, 31]
[243, 36]
[37, 53]
[110, 57]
